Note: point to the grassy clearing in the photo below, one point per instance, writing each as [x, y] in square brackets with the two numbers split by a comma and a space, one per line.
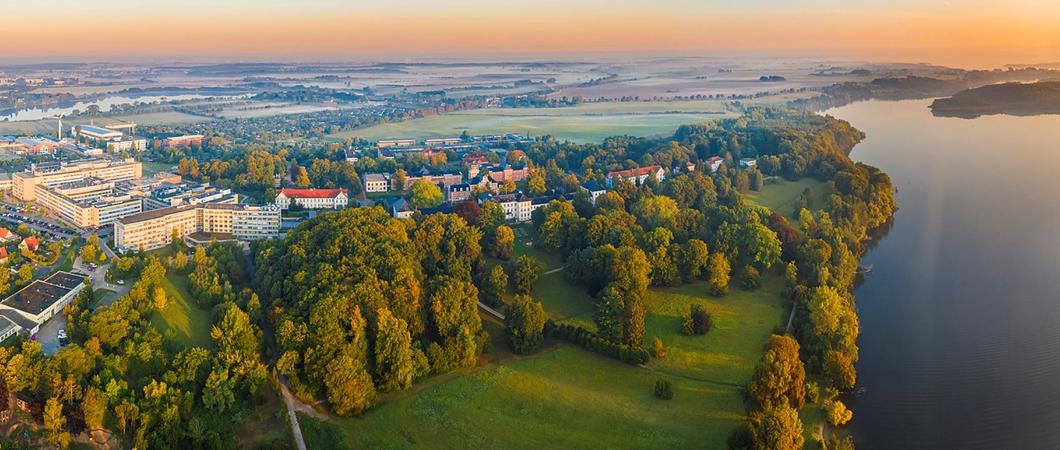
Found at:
[782, 196]
[151, 167]
[182, 320]
[266, 425]
[564, 398]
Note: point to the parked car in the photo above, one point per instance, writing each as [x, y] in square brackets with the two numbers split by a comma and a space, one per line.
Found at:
[62, 334]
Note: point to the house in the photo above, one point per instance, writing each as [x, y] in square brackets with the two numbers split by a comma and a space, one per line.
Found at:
[475, 159]
[517, 207]
[401, 209]
[376, 182]
[715, 163]
[636, 176]
[748, 162]
[594, 190]
[6, 235]
[3, 255]
[30, 244]
[690, 166]
[313, 198]
[458, 193]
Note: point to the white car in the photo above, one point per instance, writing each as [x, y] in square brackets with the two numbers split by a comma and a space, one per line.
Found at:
[62, 334]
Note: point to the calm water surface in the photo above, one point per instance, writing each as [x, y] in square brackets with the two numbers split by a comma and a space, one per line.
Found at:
[960, 344]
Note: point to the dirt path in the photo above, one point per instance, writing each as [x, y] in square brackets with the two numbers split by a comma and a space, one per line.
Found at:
[492, 311]
[555, 270]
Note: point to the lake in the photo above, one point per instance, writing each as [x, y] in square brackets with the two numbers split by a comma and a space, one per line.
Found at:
[960, 317]
[105, 104]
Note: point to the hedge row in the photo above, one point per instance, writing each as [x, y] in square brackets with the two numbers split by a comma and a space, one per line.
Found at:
[590, 341]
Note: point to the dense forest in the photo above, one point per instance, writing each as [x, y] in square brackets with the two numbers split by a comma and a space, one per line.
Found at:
[1008, 98]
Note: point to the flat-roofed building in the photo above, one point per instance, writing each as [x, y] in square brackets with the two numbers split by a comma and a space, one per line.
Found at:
[153, 229]
[186, 141]
[96, 135]
[435, 142]
[313, 198]
[42, 299]
[88, 202]
[387, 143]
[132, 144]
[24, 184]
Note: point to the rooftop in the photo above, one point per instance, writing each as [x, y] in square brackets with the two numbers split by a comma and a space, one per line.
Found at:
[39, 295]
[313, 193]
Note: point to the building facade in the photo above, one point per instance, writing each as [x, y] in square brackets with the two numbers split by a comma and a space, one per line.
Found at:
[154, 229]
[24, 184]
[313, 198]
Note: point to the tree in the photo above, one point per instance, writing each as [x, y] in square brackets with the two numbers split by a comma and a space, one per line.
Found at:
[301, 178]
[94, 406]
[524, 321]
[779, 378]
[527, 270]
[749, 278]
[503, 242]
[780, 429]
[698, 321]
[349, 387]
[536, 182]
[401, 180]
[692, 259]
[393, 352]
[25, 274]
[159, 298]
[425, 194]
[495, 284]
[658, 349]
[54, 421]
[664, 390]
[838, 414]
[718, 266]
[180, 260]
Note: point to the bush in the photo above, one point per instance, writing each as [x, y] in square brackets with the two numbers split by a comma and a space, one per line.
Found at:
[698, 321]
[658, 349]
[590, 341]
[664, 390]
[750, 278]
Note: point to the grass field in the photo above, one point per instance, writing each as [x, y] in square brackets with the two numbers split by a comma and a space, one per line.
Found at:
[151, 168]
[267, 424]
[586, 126]
[182, 320]
[782, 196]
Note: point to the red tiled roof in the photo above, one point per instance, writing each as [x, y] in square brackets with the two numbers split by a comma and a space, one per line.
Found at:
[312, 193]
[4, 233]
[3, 253]
[634, 172]
[31, 243]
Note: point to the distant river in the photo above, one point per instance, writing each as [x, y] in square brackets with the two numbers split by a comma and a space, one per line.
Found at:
[960, 317]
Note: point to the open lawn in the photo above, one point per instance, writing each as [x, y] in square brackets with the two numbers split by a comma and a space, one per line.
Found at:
[182, 320]
[782, 196]
[151, 167]
[563, 398]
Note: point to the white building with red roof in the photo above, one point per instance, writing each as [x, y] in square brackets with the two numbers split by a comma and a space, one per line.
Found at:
[313, 198]
[636, 176]
[7, 236]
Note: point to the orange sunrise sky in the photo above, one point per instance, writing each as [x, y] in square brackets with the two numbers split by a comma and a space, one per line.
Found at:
[969, 33]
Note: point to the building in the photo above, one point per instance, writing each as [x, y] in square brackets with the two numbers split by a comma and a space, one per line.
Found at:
[34, 304]
[98, 136]
[594, 190]
[376, 182]
[132, 144]
[3, 259]
[458, 193]
[388, 143]
[313, 198]
[88, 202]
[517, 207]
[506, 174]
[30, 244]
[169, 193]
[24, 184]
[444, 179]
[715, 163]
[186, 141]
[636, 176]
[153, 229]
[7, 236]
[436, 142]
[748, 162]
[401, 209]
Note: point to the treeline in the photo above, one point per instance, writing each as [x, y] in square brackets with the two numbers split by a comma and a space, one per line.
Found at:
[119, 372]
[363, 303]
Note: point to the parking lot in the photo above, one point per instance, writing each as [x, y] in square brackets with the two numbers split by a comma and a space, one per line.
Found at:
[48, 334]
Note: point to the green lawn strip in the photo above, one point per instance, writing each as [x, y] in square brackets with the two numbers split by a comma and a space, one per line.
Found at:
[782, 196]
[182, 320]
[564, 398]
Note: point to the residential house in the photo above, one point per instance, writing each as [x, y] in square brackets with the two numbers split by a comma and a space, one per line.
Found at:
[508, 173]
[29, 244]
[7, 236]
[748, 162]
[401, 209]
[458, 193]
[376, 182]
[594, 190]
[715, 163]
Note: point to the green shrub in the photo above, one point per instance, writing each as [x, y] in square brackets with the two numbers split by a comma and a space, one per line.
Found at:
[698, 321]
[664, 390]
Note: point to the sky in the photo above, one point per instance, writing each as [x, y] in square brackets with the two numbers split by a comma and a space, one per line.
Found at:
[965, 33]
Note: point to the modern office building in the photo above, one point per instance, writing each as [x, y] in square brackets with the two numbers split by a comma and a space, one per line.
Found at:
[153, 229]
[88, 202]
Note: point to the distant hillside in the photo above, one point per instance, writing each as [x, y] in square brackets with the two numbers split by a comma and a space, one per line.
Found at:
[1019, 99]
